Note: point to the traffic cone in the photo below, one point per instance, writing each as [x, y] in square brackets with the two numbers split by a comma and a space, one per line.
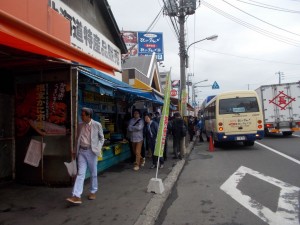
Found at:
[211, 144]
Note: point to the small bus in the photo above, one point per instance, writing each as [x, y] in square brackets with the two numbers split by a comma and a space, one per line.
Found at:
[234, 116]
[203, 104]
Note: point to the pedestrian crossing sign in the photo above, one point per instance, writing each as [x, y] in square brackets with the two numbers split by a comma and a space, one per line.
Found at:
[215, 85]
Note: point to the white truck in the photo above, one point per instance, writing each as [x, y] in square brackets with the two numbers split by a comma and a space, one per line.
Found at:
[281, 107]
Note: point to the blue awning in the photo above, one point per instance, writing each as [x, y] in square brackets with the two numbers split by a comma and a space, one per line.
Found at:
[139, 94]
[114, 87]
[107, 78]
[102, 87]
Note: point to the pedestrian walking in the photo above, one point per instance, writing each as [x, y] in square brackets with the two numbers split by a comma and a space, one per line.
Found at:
[191, 127]
[151, 129]
[89, 142]
[179, 131]
[157, 117]
[200, 127]
[136, 126]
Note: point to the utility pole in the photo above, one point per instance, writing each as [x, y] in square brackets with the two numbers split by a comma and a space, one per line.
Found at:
[280, 76]
[181, 9]
[182, 54]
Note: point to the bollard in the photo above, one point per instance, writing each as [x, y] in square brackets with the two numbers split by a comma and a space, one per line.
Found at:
[211, 144]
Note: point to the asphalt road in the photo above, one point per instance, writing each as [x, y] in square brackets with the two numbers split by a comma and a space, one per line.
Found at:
[238, 185]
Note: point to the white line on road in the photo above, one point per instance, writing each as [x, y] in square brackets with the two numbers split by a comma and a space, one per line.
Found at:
[279, 153]
[296, 135]
[288, 204]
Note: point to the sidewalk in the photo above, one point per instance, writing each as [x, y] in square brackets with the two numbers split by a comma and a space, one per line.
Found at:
[122, 198]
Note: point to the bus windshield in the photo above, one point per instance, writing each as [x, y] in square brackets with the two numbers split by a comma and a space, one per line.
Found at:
[238, 105]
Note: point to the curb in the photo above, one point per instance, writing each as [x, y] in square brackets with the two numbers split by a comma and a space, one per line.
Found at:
[154, 206]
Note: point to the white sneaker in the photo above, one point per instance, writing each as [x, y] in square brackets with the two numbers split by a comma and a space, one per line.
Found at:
[143, 163]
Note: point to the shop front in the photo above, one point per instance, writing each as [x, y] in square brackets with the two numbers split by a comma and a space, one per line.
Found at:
[44, 83]
[45, 109]
[39, 85]
[113, 102]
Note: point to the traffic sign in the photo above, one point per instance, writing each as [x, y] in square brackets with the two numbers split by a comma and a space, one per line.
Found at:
[215, 85]
[173, 92]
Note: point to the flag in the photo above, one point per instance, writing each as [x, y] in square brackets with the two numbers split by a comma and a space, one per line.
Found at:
[183, 101]
[163, 123]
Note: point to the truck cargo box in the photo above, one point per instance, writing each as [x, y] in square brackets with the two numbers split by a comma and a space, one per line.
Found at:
[281, 107]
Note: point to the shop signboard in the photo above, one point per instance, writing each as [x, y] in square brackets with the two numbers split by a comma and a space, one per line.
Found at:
[144, 43]
[87, 38]
[149, 42]
[130, 39]
[43, 108]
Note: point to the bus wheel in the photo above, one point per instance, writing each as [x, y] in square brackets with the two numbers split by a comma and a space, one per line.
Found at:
[249, 143]
[287, 133]
[217, 144]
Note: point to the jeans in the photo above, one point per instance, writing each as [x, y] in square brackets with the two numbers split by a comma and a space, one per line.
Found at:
[86, 158]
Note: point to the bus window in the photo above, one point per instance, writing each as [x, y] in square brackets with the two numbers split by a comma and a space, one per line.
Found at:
[238, 105]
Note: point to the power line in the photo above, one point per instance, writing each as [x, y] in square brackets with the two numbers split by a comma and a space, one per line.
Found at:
[266, 6]
[252, 27]
[260, 19]
[176, 34]
[173, 21]
[264, 60]
[155, 20]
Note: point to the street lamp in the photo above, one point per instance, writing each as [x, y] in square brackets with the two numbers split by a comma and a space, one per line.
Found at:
[183, 60]
[193, 89]
[210, 38]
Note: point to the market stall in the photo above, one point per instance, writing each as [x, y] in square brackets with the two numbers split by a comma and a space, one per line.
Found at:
[110, 111]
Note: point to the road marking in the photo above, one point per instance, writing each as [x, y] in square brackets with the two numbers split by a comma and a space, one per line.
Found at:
[296, 135]
[279, 153]
[288, 202]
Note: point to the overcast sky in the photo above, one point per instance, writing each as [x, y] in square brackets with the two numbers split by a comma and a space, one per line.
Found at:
[240, 58]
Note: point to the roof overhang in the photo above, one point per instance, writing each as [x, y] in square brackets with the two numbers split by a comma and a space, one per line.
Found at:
[18, 34]
[141, 85]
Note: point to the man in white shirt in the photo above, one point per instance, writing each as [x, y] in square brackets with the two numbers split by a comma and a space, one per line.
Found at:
[90, 140]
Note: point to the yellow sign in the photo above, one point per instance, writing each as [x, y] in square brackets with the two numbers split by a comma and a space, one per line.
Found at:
[118, 149]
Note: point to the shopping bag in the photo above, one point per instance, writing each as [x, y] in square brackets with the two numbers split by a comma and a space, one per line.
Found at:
[71, 167]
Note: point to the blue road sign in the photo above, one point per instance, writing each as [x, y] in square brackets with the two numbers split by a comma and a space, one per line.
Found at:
[215, 85]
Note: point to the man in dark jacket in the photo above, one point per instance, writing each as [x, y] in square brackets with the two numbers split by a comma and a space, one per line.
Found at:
[151, 130]
[179, 132]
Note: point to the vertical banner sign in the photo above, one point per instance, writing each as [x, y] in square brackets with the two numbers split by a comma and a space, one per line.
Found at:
[163, 124]
[183, 101]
